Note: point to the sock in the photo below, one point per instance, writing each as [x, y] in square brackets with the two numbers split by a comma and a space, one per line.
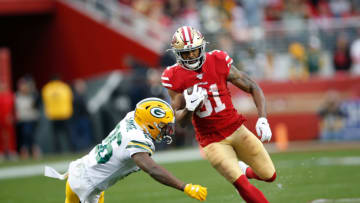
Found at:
[249, 192]
[251, 174]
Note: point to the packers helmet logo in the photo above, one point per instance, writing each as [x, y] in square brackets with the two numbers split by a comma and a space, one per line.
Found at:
[158, 112]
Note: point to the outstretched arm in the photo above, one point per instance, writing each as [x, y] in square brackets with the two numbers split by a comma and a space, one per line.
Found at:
[147, 164]
[244, 82]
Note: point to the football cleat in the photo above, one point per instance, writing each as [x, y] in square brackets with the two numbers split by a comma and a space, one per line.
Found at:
[156, 117]
[187, 39]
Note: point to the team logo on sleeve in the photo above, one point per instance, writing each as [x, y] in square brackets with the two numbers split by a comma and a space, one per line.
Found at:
[158, 112]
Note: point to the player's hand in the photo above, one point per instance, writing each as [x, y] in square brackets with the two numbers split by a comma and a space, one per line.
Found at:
[196, 191]
[194, 98]
[263, 129]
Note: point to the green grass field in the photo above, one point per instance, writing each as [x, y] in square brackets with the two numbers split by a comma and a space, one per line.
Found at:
[302, 177]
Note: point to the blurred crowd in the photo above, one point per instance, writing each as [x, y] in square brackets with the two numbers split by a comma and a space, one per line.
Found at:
[63, 108]
[269, 39]
[217, 15]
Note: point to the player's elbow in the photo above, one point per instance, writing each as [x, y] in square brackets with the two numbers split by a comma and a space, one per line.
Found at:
[253, 88]
[183, 124]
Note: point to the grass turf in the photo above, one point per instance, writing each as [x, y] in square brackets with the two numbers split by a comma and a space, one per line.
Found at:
[302, 177]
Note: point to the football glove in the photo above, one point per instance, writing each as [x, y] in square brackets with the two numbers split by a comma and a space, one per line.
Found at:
[196, 191]
[194, 98]
[263, 129]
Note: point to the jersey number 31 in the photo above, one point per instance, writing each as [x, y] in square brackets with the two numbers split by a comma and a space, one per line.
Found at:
[208, 108]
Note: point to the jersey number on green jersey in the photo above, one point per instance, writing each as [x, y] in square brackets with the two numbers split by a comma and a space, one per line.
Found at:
[104, 150]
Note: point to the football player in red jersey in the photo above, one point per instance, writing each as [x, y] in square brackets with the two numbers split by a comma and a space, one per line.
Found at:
[234, 151]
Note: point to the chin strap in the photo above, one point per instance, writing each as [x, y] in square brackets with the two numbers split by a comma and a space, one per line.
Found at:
[193, 66]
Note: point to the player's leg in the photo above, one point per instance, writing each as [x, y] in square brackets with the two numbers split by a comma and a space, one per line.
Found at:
[251, 150]
[101, 199]
[70, 196]
[223, 158]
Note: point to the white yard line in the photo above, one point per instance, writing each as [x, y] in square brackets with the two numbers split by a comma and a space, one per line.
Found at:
[345, 200]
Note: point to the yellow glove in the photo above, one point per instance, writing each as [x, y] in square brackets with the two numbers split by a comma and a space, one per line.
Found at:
[196, 191]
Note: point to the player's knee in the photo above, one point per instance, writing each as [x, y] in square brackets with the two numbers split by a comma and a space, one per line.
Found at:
[272, 178]
[228, 170]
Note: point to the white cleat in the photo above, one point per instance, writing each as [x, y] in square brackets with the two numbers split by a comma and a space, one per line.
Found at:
[243, 167]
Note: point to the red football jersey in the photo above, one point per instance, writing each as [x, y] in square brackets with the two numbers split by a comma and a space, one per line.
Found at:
[217, 119]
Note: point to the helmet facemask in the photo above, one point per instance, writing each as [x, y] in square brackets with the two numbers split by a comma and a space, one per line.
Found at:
[191, 64]
[166, 132]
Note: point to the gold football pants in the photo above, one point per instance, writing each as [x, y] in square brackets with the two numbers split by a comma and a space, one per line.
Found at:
[241, 145]
[71, 197]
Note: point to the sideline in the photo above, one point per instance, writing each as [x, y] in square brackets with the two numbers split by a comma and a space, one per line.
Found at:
[38, 169]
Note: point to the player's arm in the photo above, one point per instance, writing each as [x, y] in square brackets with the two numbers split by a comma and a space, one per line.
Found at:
[147, 164]
[241, 80]
[244, 82]
[160, 174]
[182, 115]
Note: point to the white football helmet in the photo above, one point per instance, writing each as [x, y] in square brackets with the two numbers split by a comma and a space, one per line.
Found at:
[186, 39]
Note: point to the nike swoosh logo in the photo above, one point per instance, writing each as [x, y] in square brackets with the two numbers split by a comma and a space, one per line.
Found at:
[192, 101]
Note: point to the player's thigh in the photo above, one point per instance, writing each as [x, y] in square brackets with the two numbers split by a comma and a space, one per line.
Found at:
[223, 158]
[101, 199]
[70, 196]
[252, 151]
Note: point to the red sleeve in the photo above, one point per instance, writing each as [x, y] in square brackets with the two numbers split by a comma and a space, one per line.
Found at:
[223, 61]
[168, 80]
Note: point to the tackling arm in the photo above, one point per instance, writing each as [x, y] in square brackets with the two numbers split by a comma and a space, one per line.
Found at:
[245, 83]
[147, 164]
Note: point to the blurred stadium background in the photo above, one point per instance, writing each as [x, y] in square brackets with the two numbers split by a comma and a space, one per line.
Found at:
[305, 54]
